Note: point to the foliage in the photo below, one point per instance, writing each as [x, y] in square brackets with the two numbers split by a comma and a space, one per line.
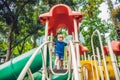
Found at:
[24, 19]
[116, 13]
[91, 22]
[24, 15]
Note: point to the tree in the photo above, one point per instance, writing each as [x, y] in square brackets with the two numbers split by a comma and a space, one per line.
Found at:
[20, 22]
[10, 11]
[91, 22]
[115, 16]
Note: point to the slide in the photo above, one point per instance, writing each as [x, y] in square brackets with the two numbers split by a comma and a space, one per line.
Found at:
[88, 65]
[11, 69]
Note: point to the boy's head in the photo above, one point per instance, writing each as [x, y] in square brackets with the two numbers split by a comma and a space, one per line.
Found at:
[60, 37]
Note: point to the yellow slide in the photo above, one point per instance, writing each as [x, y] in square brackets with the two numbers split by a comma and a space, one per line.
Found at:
[110, 69]
[90, 66]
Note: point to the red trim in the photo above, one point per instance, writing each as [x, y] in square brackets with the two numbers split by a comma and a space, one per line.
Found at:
[82, 49]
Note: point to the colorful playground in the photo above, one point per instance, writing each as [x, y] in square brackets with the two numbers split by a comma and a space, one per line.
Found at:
[38, 63]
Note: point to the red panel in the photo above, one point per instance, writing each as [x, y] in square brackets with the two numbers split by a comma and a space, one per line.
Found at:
[116, 47]
[106, 50]
[60, 21]
[82, 49]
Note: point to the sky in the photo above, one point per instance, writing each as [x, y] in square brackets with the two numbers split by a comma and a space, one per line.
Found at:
[104, 15]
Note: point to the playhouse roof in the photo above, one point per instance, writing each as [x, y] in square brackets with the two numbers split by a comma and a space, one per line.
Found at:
[60, 16]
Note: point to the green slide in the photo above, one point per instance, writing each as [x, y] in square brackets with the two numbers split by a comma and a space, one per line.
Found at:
[11, 69]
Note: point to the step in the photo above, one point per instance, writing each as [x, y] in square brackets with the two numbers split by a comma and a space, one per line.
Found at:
[58, 70]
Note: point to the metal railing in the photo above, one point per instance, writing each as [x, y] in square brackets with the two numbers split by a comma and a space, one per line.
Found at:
[101, 46]
[26, 68]
[114, 61]
[72, 56]
[50, 54]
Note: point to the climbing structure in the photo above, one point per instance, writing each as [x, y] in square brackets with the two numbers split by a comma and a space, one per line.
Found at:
[61, 16]
[100, 65]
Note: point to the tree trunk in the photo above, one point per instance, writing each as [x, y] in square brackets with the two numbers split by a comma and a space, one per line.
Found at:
[22, 47]
[35, 35]
[9, 44]
[34, 40]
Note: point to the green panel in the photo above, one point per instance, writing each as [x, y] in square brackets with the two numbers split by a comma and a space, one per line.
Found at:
[11, 69]
[60, 77]
[38, 76]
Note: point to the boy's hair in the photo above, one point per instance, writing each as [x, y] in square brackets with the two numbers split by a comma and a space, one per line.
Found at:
[59, 35]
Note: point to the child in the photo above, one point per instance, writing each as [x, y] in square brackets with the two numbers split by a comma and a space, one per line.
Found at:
[59, 50]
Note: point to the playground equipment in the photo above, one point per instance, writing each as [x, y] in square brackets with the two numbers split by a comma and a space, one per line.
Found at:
[11, 70]
[96, 67]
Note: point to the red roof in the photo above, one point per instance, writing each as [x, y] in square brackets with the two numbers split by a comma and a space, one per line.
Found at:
[115, 47]
[82, 49]
[60, 16]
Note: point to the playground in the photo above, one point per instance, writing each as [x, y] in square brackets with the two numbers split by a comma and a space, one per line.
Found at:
[38, 63]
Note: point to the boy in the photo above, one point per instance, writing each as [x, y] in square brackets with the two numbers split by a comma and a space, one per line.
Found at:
[59, 50]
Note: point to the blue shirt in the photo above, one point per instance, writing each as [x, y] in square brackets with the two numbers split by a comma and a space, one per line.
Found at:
[59, 49]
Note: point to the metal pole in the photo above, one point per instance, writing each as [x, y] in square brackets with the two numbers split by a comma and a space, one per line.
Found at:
[100, 64]
[30, 74]
[85, 56]
[69, 66]
[92, 68]
[45, 51]
[117, 65]
[96, 69]
[113, 61]
[85, 73]
[82, 57]
[74, 62]
[50, 55]
[88, 57]
[77, 45]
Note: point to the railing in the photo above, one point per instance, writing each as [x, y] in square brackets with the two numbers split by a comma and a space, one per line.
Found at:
[114, 61]
[50, 53]
[101, 46]
[72, 55]
[73, 63]
[100, 63]
[26, 68]
[112, 56]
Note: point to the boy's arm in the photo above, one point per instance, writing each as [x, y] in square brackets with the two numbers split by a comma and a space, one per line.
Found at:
[55, 43]
[65, 44]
